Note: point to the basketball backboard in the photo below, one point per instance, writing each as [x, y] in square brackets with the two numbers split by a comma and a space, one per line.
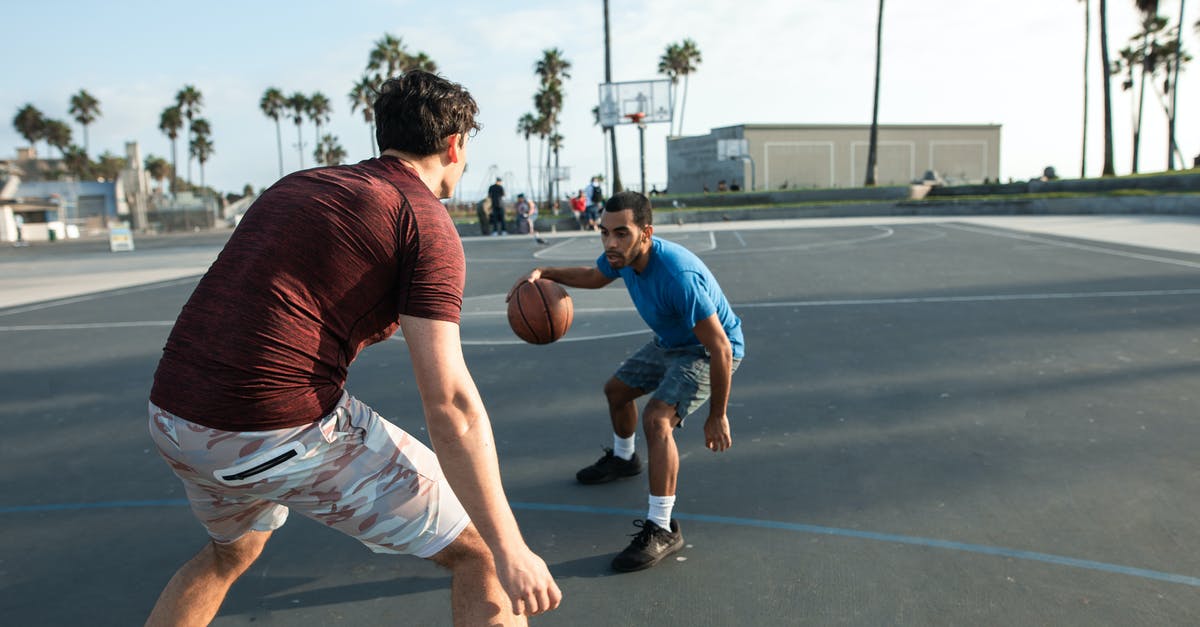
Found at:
[732, 149]
[619, 100]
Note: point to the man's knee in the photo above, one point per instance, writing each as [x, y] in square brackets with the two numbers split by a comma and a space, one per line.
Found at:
[618, 393]
[468, 549]
[659, 420]
[233, 558]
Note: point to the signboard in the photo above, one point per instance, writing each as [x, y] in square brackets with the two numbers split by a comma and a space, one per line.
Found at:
[732, 149]
[618, 100]
[120, 238]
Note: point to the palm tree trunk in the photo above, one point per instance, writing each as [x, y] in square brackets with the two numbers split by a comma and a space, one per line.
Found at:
[1108, 137]
[874, 139]
[612, 131]
[1087, 37]
[279, 144]
[1137, 124]
[174, 168]
[528, 167]
[317, 145]
[549, 177]
[1174, 93]
[189, 153]
[300, 145]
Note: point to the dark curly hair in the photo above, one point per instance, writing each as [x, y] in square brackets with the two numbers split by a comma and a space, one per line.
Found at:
[639, 204]
[415, 112]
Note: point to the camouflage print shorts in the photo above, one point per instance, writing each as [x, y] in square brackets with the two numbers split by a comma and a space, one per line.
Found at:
[352, 470]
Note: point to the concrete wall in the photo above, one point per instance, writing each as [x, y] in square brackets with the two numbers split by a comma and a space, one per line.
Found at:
[829, 156]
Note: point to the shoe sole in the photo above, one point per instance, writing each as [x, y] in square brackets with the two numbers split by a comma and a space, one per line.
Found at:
[647, 565]
[609, 479]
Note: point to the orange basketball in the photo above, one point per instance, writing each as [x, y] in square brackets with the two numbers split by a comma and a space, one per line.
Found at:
[540, 312]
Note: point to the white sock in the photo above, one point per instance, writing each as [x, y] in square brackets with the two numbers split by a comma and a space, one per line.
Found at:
[660, 510]
[624, 447]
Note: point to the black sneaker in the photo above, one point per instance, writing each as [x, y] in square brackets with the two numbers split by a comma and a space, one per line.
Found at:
[649, 547]
[609, 468]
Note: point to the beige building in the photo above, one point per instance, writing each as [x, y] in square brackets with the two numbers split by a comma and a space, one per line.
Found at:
[791, 156]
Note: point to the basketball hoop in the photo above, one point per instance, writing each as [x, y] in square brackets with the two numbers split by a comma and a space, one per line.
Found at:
[636, 118]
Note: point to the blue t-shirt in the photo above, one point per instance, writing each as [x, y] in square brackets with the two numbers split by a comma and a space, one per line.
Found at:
[674, 293]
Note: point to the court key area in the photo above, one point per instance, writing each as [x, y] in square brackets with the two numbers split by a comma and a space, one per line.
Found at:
[937, 422]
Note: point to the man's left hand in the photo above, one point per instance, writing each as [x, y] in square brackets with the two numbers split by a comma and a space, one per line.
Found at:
[716, 433]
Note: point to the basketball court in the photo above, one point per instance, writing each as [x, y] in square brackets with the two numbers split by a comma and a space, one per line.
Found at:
[938, 422]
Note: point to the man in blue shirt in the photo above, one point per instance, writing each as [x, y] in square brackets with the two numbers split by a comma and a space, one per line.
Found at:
[697, 346]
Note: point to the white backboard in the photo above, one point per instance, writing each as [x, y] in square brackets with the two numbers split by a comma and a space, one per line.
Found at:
[618, 100]
[732, 149]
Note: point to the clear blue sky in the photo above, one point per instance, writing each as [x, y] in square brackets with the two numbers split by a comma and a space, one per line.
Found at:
[1012, 62]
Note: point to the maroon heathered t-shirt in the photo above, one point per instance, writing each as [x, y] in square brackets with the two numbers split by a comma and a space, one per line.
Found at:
[323, 265]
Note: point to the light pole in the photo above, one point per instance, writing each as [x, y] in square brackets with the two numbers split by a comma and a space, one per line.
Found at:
[639, 119]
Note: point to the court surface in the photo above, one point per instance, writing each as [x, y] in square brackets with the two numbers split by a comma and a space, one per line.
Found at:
[937, 422]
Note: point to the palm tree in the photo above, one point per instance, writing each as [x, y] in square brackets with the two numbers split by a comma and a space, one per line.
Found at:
[612, 132]
[387, 57]
[201, 128]
[548, 102]
[318, 111]
[527, 126]
[552, 68]
[190, 101]
[30, 123]
[1151, 25]
[58, 134]
[1107, 169]
[272, 105]
[329, 151]
[1087, 38]
[298, 103]
[85, 108]
[169, 123]
[158, 169]
[109, 166]
[689, 59]
[668, 65]
[77, 162]
[363, 96]
[201, 148]
[873, 149]
[421, 61]
[1174, 91]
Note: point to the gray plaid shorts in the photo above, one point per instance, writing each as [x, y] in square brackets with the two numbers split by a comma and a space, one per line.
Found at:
[351, 470]
[679, 377]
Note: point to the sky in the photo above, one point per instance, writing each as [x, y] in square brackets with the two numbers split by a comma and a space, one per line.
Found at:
[1017, 63]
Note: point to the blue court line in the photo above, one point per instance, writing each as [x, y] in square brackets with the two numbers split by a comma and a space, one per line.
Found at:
[964, 547]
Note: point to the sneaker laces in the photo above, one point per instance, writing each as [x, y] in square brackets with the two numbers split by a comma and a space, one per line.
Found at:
[645, 532]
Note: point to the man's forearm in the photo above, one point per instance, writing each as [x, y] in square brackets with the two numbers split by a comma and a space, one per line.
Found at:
[721, 377]
[582, 276]
[466, 450]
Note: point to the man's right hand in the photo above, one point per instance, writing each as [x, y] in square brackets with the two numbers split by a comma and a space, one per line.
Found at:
[533, 275]
[528, 582]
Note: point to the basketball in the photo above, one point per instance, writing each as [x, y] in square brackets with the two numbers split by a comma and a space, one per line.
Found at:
[540, 312]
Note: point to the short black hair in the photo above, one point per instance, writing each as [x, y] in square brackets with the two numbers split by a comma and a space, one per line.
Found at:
[416, 111]
[639, 204]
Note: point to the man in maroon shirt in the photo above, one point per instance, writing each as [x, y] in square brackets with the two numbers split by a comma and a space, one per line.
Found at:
[248, 406]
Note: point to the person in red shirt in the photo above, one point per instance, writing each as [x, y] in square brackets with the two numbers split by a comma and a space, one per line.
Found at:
[248, 405]
[578, 206]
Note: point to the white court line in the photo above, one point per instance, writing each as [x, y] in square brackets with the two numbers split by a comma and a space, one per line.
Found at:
[98, 295]
[89, 325]
[885, 233]
[1095, 249]
[741, 241]
[915, 300]
[981, 298]
[540, 253]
